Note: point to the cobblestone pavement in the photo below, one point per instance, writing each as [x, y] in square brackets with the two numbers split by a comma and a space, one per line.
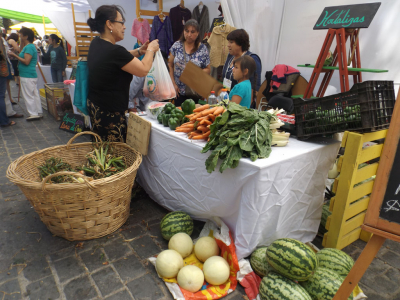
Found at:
[36, 265]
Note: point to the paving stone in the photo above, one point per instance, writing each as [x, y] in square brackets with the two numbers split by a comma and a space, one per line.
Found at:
[107, 281]
[392, 258]
[93, 261]
[129, 268]
[68, 268]
[62, 253]
[45, 288]
[37, 269]
[12, 288]
[383, 286]
[155, 232]
[134, 232]
[7, 274]
[145, 247]
[117, 250]
[393, 274]
[79, 289]
[122, 295]
[235, 295]
[392, 245]
[145, 288]
[377, 266]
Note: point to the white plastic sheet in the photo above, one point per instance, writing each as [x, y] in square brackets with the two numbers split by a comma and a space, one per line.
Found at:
[260, 201]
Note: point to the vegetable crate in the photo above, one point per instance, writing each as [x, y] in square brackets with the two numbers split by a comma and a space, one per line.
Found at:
[357, 168]
[58, 99]
[77, 211]
[367, 107]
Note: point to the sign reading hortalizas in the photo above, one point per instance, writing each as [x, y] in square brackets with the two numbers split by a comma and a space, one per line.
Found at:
[347, 16]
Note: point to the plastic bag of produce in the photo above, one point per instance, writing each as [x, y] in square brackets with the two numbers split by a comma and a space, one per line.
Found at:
[220, 232]
[158, 84]
[153, 108]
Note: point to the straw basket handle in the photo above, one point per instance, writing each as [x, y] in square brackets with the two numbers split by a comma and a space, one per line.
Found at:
[98, 138]
[66, 173]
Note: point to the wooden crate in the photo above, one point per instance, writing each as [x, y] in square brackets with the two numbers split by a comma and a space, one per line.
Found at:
[350, 203]
[58, 99]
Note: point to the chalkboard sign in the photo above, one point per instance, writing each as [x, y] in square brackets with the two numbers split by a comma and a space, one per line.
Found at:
[73, 123]
[390, 209]
[347, 16]
[383, 211]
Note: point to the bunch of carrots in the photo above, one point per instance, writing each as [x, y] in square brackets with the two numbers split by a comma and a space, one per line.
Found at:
[198, 128]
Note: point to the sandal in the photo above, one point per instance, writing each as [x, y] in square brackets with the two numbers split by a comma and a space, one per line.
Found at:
[9, 124]
[16, 116]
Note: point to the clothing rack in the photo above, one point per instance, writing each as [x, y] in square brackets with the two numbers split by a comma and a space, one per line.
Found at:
[140, 12]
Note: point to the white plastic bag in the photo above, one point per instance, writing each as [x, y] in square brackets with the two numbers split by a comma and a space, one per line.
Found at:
[158, 84]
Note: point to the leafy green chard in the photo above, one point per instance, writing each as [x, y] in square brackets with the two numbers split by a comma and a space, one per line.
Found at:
[239, 132]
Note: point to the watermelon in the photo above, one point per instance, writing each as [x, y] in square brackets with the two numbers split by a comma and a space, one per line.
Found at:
[292, 259]
[174, 222]
[325, 214]
[258, 261]
[276, 287]
[323, 285]
[328, 59]
[335, 260]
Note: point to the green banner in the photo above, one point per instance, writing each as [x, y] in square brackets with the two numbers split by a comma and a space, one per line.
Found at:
[23, 17]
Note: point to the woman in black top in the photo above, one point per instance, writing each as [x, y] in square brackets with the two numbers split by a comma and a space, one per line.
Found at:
[110, 72]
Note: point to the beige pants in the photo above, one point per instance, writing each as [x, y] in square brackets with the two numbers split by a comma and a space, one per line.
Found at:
[31, 95]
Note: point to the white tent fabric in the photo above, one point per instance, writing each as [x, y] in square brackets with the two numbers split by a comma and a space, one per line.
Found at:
[59, 12]
[64, 22]
[262, 20]
[275, 20]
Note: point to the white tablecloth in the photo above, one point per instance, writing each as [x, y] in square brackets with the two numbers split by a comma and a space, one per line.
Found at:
[260, 201]
[47, 74]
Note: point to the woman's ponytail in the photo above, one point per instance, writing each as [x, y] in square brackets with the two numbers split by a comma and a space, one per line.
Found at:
[92, 24]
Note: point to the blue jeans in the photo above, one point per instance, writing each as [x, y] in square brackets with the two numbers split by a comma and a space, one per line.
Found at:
[3, 115]
[56, 75]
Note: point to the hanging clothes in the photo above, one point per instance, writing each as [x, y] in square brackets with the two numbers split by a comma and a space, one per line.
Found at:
[163, 32]
[141, 30]
[179, 16]
[219, 44]
[202, 17]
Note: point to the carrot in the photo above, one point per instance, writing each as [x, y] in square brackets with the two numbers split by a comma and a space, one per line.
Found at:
[195, 117]
[179, 108]
[218, 110]
[189, 116]
[205, 122]
[212, 117]
[202, 118]
[201, 108]
[203, 128]
[203, 136]
[187, 130]
[189, 125]
[209, 111]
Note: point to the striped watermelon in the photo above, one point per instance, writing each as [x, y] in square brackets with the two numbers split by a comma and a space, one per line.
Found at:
[292, 259]
[323, 285]
[174, 222]
[276, 287]
[335, 260]
[258, 261]
[325, 214]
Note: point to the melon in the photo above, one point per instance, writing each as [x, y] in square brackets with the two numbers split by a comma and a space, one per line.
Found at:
[277, 287]
[323, 285]
[191, 278]
[325, 214]
[335, 260]
[182, 243]
[292, 259]
[174, 222]
[216, 270]
[259, 263]
[329, 59]
[168, 263]
[205, 247]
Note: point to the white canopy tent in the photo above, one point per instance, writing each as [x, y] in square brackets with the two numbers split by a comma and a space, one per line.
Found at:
[59, 12]
[281, 32]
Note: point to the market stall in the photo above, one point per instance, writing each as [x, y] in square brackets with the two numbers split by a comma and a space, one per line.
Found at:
[46, 70]
[260, 201]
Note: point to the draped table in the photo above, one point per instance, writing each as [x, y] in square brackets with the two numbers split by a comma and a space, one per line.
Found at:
[281, 196]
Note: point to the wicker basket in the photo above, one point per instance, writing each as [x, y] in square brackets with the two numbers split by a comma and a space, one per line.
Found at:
[77, 211]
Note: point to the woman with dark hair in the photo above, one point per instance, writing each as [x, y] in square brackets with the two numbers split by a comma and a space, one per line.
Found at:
[188, 48]
[238, 45]
[58, 58]
[12, 41]
[27, 72]
[110, 72]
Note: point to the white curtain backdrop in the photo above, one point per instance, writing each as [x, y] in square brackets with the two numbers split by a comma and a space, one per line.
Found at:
[281, 32]
[262, 21]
